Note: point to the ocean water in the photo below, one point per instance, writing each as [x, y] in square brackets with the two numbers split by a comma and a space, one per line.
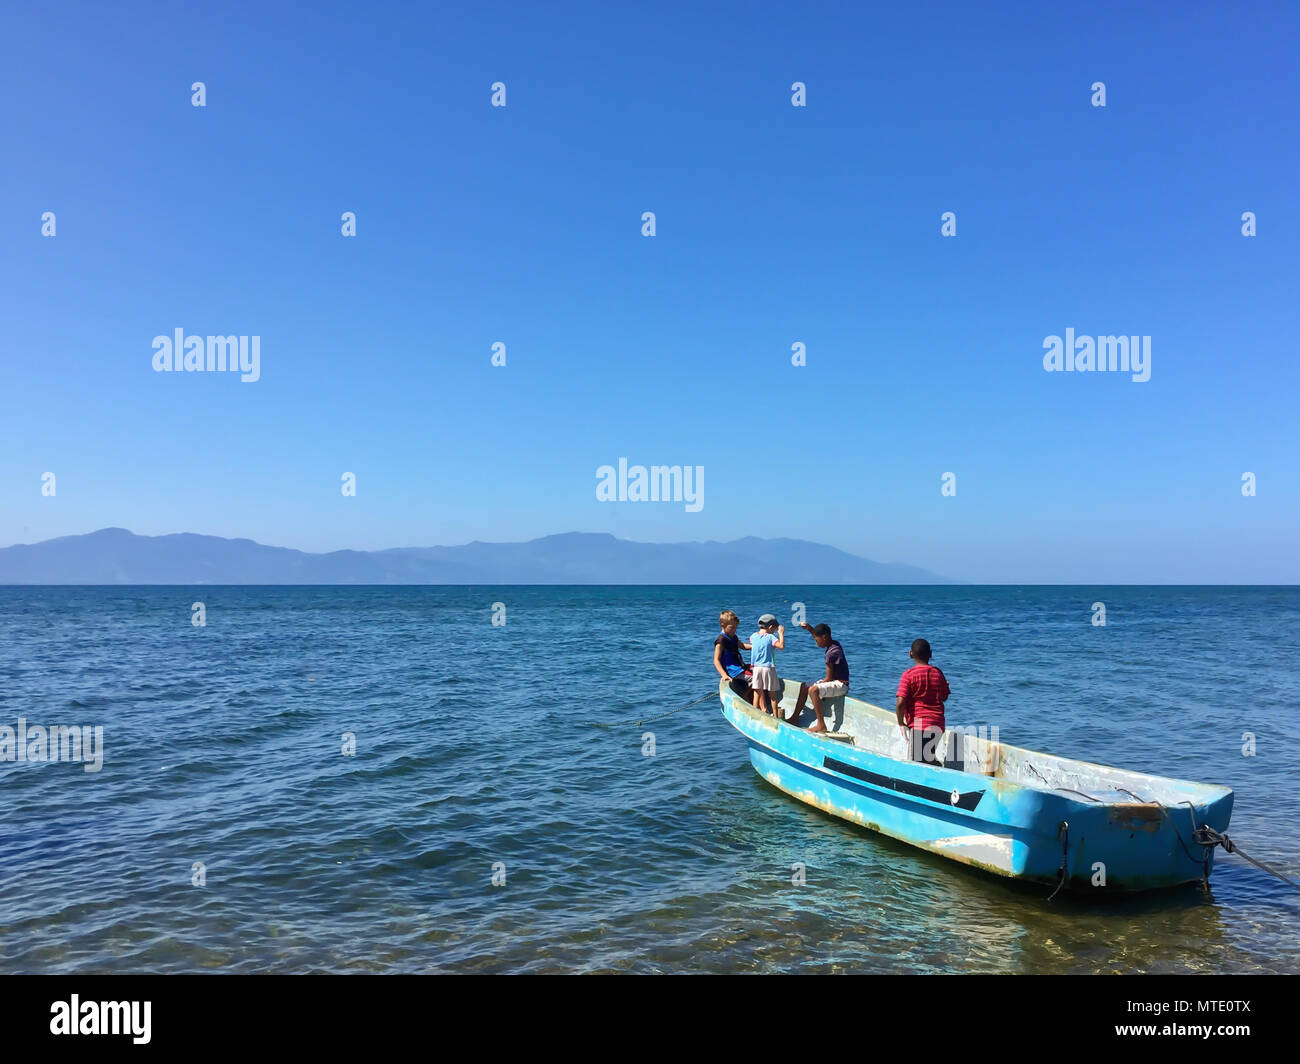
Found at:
[476, 754]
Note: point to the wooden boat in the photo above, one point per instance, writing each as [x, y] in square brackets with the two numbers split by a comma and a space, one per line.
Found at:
[997, 807]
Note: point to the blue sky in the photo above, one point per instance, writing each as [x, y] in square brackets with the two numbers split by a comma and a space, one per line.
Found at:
[775, 224]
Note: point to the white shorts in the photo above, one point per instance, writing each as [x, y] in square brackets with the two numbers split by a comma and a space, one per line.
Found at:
[829, 688]
[765, 679]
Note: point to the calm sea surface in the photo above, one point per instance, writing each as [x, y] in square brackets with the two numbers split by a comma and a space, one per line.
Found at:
[475, 749]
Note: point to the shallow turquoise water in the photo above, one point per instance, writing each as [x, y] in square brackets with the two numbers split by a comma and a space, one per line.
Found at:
[473, 747]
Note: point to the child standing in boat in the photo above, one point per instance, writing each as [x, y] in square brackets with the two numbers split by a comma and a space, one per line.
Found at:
[769, 638]
[922, 691]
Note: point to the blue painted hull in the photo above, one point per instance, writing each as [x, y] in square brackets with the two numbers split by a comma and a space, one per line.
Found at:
[1003, 827]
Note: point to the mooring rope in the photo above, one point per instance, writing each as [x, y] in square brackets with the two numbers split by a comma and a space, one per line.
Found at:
[649, 720]
[1207, 838]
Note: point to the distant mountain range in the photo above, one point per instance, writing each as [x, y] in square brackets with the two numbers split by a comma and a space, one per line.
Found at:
[116, 556]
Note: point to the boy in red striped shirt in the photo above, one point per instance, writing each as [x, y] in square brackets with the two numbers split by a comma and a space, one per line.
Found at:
[922, 692]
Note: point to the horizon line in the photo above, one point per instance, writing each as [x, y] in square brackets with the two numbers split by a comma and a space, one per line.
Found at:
[956, 584]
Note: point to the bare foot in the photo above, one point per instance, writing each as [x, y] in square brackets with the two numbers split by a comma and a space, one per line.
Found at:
[793, 718]
[818, 728]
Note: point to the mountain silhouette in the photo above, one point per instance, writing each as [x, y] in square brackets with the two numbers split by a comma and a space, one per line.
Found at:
[117, 556]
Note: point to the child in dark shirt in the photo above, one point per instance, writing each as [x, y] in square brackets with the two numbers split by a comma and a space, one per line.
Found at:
[835, 684]
[726, 656]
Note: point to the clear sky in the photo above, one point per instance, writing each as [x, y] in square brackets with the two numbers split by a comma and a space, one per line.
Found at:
[775, 225]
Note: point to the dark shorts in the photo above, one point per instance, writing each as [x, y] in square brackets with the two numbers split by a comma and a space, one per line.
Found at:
[923, 745]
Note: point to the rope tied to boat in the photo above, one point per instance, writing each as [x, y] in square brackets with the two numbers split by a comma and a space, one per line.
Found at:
[649, 720]
[1207, 838]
